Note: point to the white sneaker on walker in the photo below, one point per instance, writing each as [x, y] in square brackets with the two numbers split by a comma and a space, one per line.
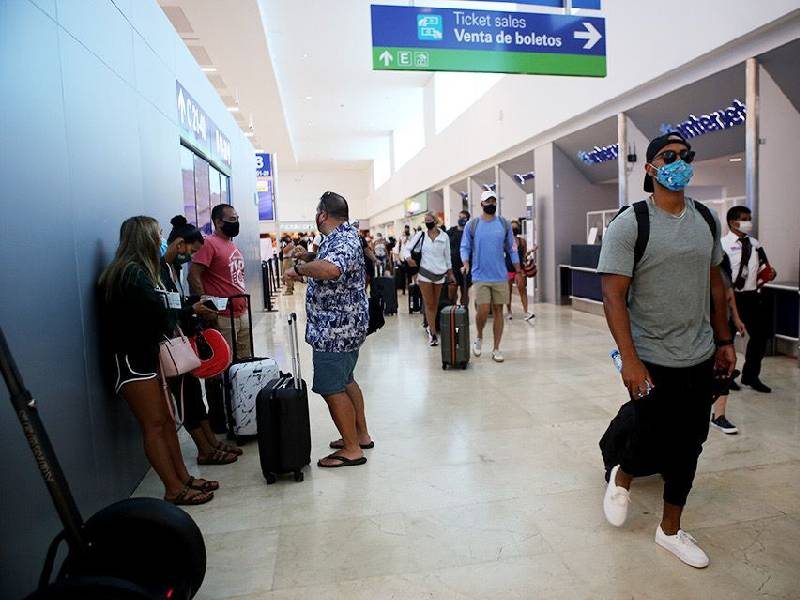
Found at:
[616, 501]
[684, 546]
[476, 347]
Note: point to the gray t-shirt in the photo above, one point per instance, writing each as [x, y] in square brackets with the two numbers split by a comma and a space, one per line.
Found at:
[669, 300]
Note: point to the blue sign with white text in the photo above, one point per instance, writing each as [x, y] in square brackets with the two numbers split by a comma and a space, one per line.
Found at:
[263, 165]
[462, 39]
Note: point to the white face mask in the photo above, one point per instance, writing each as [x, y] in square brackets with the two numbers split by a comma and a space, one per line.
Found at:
[745, 226]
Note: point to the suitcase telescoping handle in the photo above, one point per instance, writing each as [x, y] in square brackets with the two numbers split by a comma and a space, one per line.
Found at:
[246, 297]
[39, 442]
[294, 346]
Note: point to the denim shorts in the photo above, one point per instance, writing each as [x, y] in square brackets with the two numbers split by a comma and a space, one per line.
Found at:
[333, 371]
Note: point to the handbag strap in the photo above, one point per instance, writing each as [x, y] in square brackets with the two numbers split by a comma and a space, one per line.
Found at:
[168, 400]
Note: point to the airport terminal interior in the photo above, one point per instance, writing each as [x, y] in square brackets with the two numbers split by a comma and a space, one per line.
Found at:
[259, 256]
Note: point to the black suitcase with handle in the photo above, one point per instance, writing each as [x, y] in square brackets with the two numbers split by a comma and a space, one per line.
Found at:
[385, 288]
[284, 428]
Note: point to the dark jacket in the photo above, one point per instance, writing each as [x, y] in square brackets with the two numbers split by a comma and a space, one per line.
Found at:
[454, 233]
[185, 316]
[135, 318]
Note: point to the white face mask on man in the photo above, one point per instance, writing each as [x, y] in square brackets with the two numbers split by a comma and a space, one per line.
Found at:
[745, 226]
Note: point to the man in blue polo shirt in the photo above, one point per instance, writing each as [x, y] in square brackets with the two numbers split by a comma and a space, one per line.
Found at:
[484, 244]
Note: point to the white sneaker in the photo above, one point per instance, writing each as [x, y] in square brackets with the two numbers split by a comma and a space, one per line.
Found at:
[497, 356]
[510, 316]
[476, 347]
[434, 340]
[530, 318]
[684, 546]
[616, 501]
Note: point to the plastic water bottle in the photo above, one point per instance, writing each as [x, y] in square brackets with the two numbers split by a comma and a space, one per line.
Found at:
[615, 356]
[617, 359]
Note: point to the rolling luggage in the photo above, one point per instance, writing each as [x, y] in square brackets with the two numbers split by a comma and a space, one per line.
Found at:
[414, 299]
[454, 336]
[400, 277]
[244, 380]
[284, 429]
[384, 287]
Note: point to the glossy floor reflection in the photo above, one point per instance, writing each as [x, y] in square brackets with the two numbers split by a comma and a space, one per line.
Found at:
[488, 484]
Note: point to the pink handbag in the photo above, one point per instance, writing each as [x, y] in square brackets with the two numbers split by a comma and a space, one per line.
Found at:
[177, 356]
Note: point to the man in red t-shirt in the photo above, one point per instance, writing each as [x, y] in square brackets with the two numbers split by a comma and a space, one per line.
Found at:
[218, 270]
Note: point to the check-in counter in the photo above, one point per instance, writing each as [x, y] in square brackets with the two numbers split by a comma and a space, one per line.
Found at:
[784, 298]
[580, 283]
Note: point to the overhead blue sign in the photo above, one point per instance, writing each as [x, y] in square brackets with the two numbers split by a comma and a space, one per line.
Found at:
[724, 118]
[598, 155]
[590, 4]
[446, 39]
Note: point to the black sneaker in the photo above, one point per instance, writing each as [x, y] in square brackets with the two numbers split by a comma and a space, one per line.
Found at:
[757, 385]
[724, 425]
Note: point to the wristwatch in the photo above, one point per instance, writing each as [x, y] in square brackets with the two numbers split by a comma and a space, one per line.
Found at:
[720, 343]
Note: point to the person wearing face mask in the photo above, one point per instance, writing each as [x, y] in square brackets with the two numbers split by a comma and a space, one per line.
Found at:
[337, 314]
[485, 244]
[218, 270]
[135, 318]
[184, 241]
[455, 234]
[746, 256]
[435, 269]
[519, 280]
[666, 309]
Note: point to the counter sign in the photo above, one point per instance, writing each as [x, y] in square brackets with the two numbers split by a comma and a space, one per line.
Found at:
[445, 39]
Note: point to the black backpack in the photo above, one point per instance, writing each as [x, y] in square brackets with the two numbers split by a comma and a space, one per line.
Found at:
[643, 225]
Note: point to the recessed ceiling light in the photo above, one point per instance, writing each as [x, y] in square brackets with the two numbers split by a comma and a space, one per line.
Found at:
[736, 159]
[232, 108]
[248, 134]
[309, 97]
[305, 54]
[209, 69]
[310, 123]
[260, 150]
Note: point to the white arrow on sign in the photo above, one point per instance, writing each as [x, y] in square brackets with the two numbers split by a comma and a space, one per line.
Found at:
[591, 35]
[386, 57]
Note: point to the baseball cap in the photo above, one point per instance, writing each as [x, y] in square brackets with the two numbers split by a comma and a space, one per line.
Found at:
[488, 194]
[655, 146]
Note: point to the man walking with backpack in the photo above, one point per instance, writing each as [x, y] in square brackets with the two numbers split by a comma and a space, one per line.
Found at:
[484, 244]
[664, 302]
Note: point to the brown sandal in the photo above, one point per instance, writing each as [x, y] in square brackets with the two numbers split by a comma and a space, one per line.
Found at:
[189, 496]
[235, 450]
[219, 457]
[206, 486]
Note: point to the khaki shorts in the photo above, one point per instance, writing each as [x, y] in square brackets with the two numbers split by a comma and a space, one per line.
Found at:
[491, 292]
[243, 349]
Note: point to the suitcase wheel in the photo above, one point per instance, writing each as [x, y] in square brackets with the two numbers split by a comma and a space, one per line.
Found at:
[271, 478]
[444, 366]
[298, 476]
[464, 367]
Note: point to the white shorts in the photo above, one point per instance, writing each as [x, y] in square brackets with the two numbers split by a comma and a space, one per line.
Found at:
[424, 279]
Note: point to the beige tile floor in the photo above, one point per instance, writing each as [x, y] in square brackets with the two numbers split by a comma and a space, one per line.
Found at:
[488, 484]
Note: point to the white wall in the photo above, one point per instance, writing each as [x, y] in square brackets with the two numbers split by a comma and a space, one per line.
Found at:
[527, 110]
[719, 176]
[779, 204]
[300, 191]
[563, 197]
[636, 169]
[512, 196]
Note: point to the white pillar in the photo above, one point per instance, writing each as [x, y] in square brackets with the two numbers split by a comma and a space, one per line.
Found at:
[751, 139]
[622, 159]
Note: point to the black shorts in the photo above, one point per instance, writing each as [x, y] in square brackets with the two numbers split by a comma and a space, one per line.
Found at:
[134, 367]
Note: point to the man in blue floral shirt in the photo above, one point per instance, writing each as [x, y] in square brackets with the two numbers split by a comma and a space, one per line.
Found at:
[337, 311]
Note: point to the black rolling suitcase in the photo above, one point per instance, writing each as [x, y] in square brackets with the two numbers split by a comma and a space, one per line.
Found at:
[400, 277]
[454, 336]
[414, 299]
[284, 429]
[384, 287]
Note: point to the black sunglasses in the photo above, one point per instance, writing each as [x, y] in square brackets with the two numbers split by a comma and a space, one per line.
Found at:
[670, 156]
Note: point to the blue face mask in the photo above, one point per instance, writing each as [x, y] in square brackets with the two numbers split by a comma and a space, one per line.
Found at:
[675, 176]
[163, 248]
[462, 222]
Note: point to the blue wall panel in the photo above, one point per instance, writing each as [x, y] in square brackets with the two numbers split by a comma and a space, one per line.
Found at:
[88, 113]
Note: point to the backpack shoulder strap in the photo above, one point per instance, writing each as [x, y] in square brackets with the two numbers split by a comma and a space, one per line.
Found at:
[642, 230]
[705, 212]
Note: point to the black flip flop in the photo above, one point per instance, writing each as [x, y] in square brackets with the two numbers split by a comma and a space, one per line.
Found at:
[369, 446]
[345, 462]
